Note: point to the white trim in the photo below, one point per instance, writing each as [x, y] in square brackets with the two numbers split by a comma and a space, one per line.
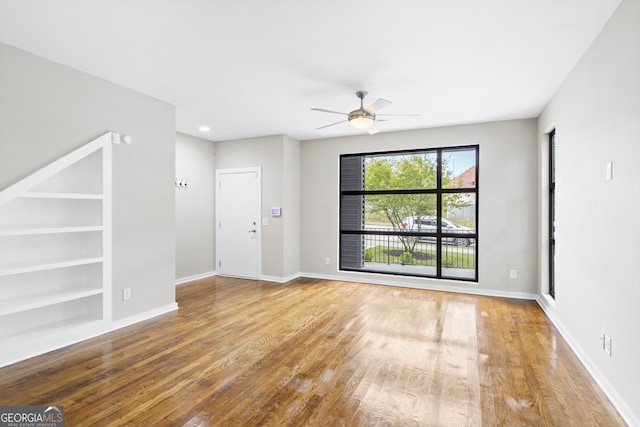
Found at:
[50, 230]
[53, 168]
[140, 317]
[280, 279]
[80, 196]
[549, 128]
[107, 223]
[617, 401]
[548, 300]
[187, 279]
[389, 281]
[30, 267]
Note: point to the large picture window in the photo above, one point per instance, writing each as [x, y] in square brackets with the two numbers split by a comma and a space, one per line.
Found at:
[411, 213]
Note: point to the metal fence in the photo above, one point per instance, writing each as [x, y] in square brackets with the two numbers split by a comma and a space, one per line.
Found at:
[389, 249]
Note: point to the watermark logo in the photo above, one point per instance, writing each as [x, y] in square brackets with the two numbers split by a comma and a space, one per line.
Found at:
[31, 416]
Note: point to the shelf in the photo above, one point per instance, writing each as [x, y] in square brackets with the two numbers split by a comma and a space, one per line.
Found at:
[53, 331]
[51, 212]
[29, 267]
[55, 253]
[49, 230]
[17, 305]
[45, 195]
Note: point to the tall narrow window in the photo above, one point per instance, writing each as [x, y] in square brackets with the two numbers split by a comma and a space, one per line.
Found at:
[552, 213]
[410, 212]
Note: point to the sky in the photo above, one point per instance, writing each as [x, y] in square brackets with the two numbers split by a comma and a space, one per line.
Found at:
[460, 160]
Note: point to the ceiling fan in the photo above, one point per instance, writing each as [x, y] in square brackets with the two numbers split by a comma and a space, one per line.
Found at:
[363, 118]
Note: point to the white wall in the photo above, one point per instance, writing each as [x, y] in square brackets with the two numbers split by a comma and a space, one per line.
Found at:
[276, 155]
[195, 233]
[291, 208]
[596, 114]
[507, 203]
[47, 110]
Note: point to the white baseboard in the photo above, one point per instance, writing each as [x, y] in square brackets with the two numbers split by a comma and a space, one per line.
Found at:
[616, 400]
[280, 279]
[450, 286]
[182, 280]
[128, 321]
[275, 279]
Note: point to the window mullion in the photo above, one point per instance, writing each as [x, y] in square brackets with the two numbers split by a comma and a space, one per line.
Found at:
[439, 213]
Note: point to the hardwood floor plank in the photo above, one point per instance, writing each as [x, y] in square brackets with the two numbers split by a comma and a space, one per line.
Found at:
[313, 352]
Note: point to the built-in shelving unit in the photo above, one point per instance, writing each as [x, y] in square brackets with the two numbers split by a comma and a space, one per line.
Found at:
[55, 254]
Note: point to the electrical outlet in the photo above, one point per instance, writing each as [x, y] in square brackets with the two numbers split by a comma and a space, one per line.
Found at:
[327, 260]
[126, 293]
[513, 273]
[607, 344]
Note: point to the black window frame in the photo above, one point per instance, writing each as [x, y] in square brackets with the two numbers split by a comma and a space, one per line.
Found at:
[438, 191]
[552, 203]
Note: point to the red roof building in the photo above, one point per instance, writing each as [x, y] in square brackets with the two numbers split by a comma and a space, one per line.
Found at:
[466, 179]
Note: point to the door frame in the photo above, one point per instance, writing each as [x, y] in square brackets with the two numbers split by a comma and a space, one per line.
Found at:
[231, 171]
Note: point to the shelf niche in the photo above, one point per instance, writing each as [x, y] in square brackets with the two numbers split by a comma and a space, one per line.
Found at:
[55, 254]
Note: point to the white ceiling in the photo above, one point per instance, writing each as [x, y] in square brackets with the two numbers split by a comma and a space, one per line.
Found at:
[255, 67]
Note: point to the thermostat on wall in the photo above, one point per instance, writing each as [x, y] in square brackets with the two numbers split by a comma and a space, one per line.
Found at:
[275, 211]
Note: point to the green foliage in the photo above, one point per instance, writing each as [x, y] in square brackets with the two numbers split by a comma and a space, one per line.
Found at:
[409, 172]
[406, 172]
[407, 259]
[368, 255]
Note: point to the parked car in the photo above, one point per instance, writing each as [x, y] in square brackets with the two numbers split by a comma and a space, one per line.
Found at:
[428, 224]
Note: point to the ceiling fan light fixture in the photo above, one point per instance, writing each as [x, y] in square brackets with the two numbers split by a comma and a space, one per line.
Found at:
[361, 119]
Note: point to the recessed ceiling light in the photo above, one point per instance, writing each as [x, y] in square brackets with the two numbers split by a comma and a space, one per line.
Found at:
[204, 128]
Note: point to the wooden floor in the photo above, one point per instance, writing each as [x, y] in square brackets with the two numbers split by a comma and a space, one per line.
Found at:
[320, 353]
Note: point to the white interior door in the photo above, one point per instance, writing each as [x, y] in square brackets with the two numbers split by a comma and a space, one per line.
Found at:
[238, 232]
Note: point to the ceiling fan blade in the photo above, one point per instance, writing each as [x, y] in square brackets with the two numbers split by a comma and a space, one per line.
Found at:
[329, 111]
[332, 124]
[377, 106]
[373, 129]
